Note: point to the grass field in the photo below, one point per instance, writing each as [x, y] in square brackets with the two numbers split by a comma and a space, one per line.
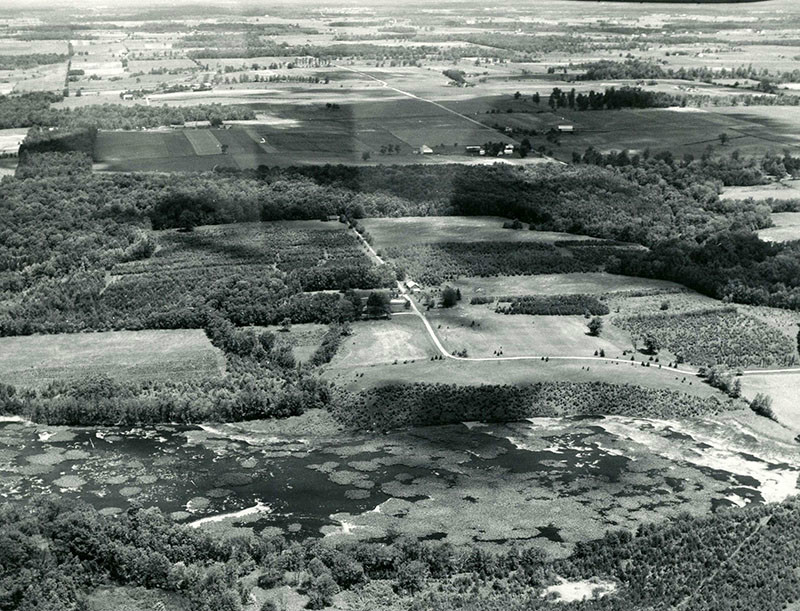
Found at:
[381, 342]
[522, 334]
[398, 232]
[36, 360]
[301, 133]
[785, 189]
[783, 389]
[304, 339]
[475, 373]
[786, 229]
[558, 284]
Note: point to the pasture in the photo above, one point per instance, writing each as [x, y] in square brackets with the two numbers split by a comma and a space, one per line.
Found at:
[36, 360]
[381, 342]
[398, 232]
[786, 228]
[782, 389]
[475, 373]
[784, 189]
[559, 284]
[485, 333]
[388, 131]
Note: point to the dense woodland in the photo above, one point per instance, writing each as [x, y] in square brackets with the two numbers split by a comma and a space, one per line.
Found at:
[34, 109]
[64, 228]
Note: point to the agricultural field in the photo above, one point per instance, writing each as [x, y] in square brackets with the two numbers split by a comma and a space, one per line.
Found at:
[680, 130]
[36, 360]
[291, 135]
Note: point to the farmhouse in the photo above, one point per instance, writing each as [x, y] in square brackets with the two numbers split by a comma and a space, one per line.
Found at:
[566, 129]
[425, 150]
[413, 286]
[127, 96]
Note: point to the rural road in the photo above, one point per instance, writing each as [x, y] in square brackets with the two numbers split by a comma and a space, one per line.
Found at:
[539, 357]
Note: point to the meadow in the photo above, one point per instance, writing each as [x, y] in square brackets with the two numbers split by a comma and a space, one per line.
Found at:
[782, 389]
[388, 233]
[36, 360]
[786, 227]
[485, 333]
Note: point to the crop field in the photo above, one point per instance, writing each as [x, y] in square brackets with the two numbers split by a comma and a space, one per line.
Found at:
[398, 232]
[786, 229]
[10, 139]
[36, 360]
[299, 246]
[681, 131]
[302, 133]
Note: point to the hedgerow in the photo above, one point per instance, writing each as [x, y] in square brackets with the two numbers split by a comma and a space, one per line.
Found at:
[552, 305]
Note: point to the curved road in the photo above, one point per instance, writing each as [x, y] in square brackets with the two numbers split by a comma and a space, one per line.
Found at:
[443, 351]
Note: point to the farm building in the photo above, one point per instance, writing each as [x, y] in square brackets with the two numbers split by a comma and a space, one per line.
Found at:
[566, 129]
[475, 149]
[127, 96]
[413, 286]
[425, 150]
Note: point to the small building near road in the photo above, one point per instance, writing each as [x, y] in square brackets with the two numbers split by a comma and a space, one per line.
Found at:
[413, 286]
[425, 150]
[566, 129]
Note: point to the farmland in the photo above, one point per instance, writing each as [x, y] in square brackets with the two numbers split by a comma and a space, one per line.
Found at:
[35, 361]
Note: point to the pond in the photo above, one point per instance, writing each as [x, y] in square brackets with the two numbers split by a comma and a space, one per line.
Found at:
[547, 481]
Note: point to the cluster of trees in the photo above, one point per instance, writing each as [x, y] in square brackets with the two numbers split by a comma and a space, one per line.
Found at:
[30, 60]
[640, 69]
[611, 99]
[34, 109]
[729, 170]
[729, 265]
[55, 553]
[561, 305]
[401, 405]
[714, 336]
